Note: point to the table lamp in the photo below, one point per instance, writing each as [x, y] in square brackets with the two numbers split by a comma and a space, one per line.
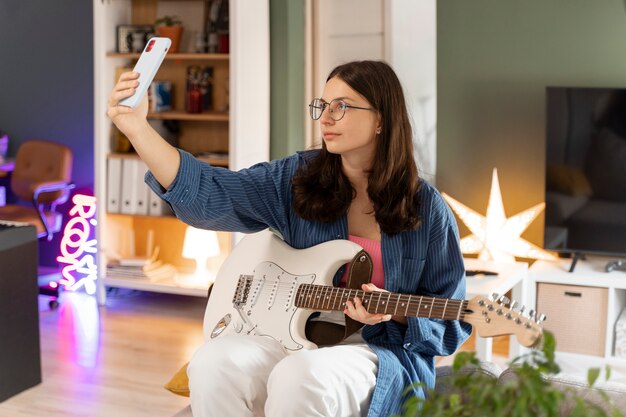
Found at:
[201, 245]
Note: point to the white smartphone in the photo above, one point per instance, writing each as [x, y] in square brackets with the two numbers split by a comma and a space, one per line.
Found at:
[147, 67]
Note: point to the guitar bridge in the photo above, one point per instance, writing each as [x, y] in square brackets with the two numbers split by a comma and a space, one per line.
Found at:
[243, 289]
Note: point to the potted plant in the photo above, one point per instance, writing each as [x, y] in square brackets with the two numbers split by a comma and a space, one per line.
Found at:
[528, 393]
[170, 27]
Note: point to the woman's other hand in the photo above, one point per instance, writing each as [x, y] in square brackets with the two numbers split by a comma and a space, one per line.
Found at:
[356, 311]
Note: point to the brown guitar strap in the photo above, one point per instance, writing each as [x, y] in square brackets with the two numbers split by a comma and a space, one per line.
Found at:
[323, 333]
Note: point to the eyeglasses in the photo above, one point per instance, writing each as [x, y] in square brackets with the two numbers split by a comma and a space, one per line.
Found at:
[336, 108]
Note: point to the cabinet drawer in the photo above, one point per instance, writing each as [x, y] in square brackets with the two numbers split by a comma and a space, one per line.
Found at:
[576, 315]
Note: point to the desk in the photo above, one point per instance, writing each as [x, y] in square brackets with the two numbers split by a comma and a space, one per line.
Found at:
[511, 276]
[20, 366]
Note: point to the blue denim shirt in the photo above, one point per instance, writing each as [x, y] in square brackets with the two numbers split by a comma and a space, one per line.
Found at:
[426, 261]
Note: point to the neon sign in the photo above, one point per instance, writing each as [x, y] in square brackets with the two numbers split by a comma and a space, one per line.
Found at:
[77, 251]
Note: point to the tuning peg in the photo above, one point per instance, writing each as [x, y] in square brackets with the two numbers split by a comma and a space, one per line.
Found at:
[542, 318]
[521, 310]
[513, 304]
[504, 300]
[531, 313]
[494, 296]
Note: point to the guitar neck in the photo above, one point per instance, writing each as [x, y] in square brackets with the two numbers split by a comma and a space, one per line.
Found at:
[323, 297]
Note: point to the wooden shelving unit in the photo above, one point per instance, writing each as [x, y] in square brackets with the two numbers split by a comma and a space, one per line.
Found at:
[240, 87]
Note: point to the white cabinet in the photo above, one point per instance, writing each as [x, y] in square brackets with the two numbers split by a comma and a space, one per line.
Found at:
[584, 306]
[243, 128]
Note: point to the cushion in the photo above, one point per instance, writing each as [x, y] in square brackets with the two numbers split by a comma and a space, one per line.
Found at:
[578, 387]
[568, 179]
[443, 382]
[179, 383]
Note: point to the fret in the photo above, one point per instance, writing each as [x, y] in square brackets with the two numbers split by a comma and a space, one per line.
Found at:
[329, 296]
[345, 296]
[388, 298]
[444, 309]
[395, 312]
[363, 300]
[431, 308]
[368, 301]
[302, 295]
[406, 313]
[336, 296]
[309, 296]
[319, 297]
[418, 306]
[377, 302]
[326, 298]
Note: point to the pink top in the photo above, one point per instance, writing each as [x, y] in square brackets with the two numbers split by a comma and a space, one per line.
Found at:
[373, 248]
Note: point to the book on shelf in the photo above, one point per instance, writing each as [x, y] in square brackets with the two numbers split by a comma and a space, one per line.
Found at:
[213, 155]
[153, 271]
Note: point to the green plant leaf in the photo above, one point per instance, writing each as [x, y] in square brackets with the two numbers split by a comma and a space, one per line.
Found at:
[592, 376]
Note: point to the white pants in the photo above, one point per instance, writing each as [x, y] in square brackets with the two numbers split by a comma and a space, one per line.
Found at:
[241, 376]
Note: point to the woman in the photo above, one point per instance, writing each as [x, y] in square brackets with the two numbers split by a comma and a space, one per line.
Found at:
[363, 186]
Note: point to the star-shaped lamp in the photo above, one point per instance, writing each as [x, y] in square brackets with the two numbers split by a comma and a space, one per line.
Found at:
[494, 237]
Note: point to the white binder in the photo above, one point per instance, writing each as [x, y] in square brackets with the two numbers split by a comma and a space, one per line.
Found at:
[114, 184]
[129, 186]
[158, 207]
[141, 204]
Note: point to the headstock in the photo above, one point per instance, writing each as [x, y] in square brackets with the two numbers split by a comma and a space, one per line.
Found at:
[491, 317]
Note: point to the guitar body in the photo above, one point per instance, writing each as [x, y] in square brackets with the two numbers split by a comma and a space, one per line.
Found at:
[266, 288]
[266, 303]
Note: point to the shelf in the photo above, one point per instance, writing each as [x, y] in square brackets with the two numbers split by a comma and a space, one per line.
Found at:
[181, 56]
[214, 161]
[199, 117]
[169, 286]
[218, 162]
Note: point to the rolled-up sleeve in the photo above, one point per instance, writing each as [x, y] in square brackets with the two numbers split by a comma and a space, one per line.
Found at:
[216, 198]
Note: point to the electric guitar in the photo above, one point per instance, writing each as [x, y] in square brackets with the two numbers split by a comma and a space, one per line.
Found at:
[267, 288]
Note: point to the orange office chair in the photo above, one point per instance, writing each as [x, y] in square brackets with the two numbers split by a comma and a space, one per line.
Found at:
[42, 176]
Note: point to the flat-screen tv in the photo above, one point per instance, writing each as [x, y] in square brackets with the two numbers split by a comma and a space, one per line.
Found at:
[586, 170]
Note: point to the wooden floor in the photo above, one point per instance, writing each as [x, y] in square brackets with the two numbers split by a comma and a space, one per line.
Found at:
[114, 360]
[111, 361]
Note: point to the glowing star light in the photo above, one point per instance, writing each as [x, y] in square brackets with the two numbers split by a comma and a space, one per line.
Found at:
[494, 237]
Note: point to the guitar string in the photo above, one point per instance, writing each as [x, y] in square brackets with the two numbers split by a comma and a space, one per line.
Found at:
[439, 309]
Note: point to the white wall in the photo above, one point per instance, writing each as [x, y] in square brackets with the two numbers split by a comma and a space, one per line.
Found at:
[411, 49]
[401, 32]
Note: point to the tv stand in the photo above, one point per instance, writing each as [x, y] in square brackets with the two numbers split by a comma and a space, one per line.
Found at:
[615, 265]
[577, 257]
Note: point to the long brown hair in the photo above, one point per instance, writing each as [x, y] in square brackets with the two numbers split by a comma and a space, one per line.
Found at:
[323, 193]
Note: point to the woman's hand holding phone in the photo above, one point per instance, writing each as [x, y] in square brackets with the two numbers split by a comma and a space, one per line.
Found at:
[128, 109]
[129, 121]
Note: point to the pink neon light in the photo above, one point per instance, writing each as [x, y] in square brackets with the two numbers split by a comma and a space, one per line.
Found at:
[53, 284]
[75, 247]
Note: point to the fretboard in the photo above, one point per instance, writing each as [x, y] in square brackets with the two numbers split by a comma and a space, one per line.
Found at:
[322, 297]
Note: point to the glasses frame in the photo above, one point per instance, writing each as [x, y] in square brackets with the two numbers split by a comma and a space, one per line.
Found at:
[325, 105]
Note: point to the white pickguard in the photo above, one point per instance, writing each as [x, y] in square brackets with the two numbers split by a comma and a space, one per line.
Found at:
[275, 271]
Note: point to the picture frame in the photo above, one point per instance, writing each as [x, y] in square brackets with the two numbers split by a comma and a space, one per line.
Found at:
[125, 37]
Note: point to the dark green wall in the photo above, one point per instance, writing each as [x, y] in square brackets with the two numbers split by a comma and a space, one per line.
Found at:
[287, 77]
[494, 60]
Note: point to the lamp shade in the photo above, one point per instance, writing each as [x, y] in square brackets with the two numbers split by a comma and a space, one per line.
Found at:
[200, 243]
